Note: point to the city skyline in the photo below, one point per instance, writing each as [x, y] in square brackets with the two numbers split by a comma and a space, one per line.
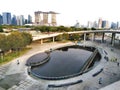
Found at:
[70, 11]
[49, 19]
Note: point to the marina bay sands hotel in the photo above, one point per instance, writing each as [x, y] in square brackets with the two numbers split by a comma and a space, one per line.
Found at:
[45, 18]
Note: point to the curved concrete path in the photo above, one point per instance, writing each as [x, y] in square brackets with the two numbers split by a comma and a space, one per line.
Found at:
[15, 77]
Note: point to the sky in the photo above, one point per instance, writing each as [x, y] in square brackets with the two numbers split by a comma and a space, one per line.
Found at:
[70, 10]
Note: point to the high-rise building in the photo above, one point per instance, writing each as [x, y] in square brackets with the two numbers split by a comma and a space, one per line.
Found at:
[6, 18]
[118, 25]
[18, 20]
[26, 21]
[77, 25]
[100, 23]
[38, 17]
[1, 20]
[53, 18]
[53, 21]
[95, 25]
[14, 20]
[90, 24]
[29, 21]
[42, 18]
[45, 18]
[22, 20]
[113, 25]
[105, 24]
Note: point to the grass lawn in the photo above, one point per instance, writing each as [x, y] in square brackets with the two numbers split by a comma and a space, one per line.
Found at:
[13, 55]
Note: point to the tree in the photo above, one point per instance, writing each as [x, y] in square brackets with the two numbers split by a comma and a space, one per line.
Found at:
[65, 36]
[93, 28]
[27, 38]
[16, 40]
[2, 42]
[76, 36]
[1, 28]
[62, 37]
[2, 45]
[62, 29]
[53, 29]
[59, 37]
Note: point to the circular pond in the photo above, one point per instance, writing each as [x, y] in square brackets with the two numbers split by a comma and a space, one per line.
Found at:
[63, 62]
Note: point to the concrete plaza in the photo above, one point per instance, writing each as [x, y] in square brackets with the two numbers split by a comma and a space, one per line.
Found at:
[15, 77]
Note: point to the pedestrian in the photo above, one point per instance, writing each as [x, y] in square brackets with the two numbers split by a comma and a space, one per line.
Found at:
[100, 80]
[118, 64]
[29, 70]
[17, 61]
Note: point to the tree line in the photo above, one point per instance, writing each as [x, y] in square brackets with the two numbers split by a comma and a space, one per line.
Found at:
[59, 29]
[46, 28]
[14, 41]
[72, 37]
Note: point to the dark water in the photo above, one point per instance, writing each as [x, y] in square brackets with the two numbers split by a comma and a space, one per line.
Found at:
[37, 58]
[63, 63]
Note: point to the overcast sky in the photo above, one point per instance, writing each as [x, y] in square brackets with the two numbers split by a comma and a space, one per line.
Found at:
[70, 10]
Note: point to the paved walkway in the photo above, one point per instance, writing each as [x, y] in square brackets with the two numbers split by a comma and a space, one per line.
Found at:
[15, 77]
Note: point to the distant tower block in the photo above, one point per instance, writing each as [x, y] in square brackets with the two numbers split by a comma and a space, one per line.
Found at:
[38, 17]
[41, 18]
[53, 18]
[45, 18]
[100, 23]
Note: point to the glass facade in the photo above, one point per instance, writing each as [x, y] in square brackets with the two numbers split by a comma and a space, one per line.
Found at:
[14, 20]
[1, 20]
[6, 18]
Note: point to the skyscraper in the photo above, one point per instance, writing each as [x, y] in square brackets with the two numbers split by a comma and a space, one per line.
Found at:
[26, 21]
[77, 25]
[105, 24]
[45, 18]
[95, 25]
[22, 20]
[18, 20]
[14, 20]
[29, 19]
[6, 18]
[118, 25]
[100, 23]
[38, 17]
[53, 18]
[90, 24]
[114, 25]
[1, 20]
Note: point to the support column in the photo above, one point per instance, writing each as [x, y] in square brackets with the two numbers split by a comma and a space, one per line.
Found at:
[84, 38]
[41, 41]
[53, 39]
[103, 35]
[93, 36]
[113, 39]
